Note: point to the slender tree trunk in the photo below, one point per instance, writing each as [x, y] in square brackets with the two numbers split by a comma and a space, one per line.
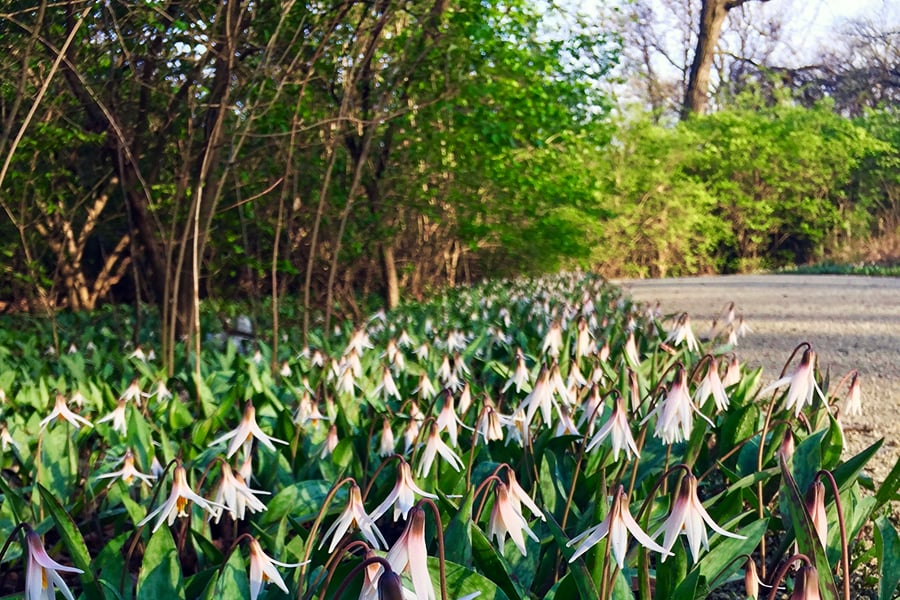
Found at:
[391, 282]
[712, 17]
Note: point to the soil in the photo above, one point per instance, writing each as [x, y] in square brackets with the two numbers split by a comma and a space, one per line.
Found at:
[852, 322]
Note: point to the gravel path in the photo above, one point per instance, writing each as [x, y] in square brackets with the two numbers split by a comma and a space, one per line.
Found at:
[852, 323]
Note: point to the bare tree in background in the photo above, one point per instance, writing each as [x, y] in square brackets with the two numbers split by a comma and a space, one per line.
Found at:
[712, 17]
[662, 39]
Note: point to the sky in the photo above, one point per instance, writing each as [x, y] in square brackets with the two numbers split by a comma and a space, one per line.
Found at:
[812, 22]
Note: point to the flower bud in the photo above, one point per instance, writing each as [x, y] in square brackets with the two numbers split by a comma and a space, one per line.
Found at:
[815, 507]
[751, 581]
[390, 587]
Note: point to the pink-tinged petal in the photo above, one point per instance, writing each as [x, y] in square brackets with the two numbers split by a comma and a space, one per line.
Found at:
[639, 534]
[588, 538]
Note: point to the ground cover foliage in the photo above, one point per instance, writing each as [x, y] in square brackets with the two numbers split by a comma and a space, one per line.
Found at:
[535, 438]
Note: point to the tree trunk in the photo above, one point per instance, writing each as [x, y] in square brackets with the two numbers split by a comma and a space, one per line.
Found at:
[391, 283]
[712, 17]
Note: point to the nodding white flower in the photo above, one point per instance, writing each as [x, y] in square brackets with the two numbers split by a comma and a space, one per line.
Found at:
[434, 446]
[404, 341]
[395, 356]
[688, 515]
[815, 508]
[403, 496]
[359, 343]
[603, 353]
[446, 374]
[162, 391]
[575, 380]
[802, 384]
[675, 420]
[346, 382]
[42, 572]
[447, 419]
[422, 351]
[235, 496]
[631, 353]
[257, 357]
[733, 372]
[128, 473]
[138, 354]
[244, 434]
[553, 340]
[618, 429]
[854, 398]
[520, 375]
[262, 569]
[118, 418]
[387, 387]
[351, 361]
[489, 425]
[330, 443]
[518, 428]
[6, 440]
[78, 399]
[425, 389]
[540, 397]
[178, 499]
[156, 469]
[507, 519]
[565, 425]
[584, 342]
[308, 412]
[61, 411]
[354, 515]
[591, 407]
[387, 443]
[133, 392]
[617, 524]
[465, 399]
[285, 369]
[712, 386]
[410, 435]
[518, 496]
[456, 341]
[682, 332]
[410, 555]
[73, 349]
[742, 328]
[317, 359]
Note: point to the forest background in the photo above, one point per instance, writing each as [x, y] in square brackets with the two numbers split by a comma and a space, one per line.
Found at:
[318, 159]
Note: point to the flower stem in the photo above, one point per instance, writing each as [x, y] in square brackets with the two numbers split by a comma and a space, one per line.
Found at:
[845, 549]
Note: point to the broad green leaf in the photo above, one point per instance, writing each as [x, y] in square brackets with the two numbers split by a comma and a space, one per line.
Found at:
[302, 501]
[160, 574]
[887, 548]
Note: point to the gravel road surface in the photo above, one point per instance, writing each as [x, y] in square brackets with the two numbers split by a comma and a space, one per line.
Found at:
[852, 322]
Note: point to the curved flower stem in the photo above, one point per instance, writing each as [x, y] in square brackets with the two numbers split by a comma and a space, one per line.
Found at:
[331, 566]
[779, 575]
[845, 549]
[706, 358]
[377, 472]
[440, 542]
[310, 541]
[761, 507]
[11, 537]
[481, 487]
